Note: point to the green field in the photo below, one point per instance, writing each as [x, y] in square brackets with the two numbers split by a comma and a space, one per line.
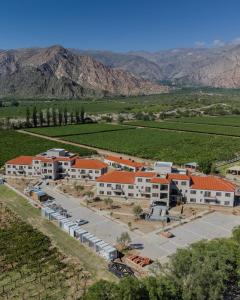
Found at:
[179, 147]
[223, 120]
[59, 131]
[191, 127]
[13, 144]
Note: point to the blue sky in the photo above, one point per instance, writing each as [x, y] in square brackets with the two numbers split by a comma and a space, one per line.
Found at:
[119, 25]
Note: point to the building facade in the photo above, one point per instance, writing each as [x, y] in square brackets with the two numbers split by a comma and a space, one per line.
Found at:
[55, 164]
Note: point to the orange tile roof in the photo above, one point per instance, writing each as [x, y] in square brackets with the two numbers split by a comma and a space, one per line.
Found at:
[44, 158]
[212, 183]
[178, 176]
[88, 164]
[123, 161]
[118, 177]
[21, 160]
[160, 180]
[145, 174]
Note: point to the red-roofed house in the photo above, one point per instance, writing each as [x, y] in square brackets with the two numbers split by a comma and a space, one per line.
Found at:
[87, 169]
[211, 190]
[21, 165]
[56, 163]
[121, 163]
[134, 185]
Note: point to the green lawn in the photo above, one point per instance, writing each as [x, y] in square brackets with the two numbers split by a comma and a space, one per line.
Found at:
[179, 147]
[59, 131]
[191, 127]
[13, 144]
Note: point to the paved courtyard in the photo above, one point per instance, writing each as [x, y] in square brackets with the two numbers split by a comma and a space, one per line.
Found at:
[211, 226]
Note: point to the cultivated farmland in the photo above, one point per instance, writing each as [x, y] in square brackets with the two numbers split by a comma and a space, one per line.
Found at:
[13, 143]
[31, 267]
[223, 120]
[191, 127]
[180, 147]
[77, 129]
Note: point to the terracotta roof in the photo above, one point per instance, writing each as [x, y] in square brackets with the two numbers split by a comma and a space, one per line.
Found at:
[160, 180]
[118, 177]
[44, 158]
[145, 174]
[212, 183]
[123, 161]
[21, 160]
[88, 164]
[64, 158]
[178, 176]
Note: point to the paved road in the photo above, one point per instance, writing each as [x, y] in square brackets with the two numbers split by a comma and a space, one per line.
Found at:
[155, 246]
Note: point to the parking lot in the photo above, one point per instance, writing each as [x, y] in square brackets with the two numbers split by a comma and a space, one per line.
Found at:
[211, 226]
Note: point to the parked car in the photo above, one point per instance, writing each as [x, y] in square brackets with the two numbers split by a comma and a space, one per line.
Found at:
[81, 222]
[135, 246]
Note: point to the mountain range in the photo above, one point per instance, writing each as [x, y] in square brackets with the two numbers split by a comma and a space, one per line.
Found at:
[215, 67]
[61, 73]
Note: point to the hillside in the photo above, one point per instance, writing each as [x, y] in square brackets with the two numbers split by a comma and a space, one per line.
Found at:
[60, 73]
[215, 67]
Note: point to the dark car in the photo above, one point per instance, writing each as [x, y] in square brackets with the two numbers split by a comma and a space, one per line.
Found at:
[136, 246]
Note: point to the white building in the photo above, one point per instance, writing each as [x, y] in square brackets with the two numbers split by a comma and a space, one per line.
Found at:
[123, 164]
[54, 164]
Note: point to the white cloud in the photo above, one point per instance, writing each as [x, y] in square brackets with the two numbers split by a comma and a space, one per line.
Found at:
[200, 44]
[218, 43]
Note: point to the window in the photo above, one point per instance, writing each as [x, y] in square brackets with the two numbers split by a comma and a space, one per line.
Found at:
[148, 180]
[192, 200]
[109, 185]
[148, 189]
[66, 164]
[130, 187]
[163, 196]
[227, 195]
[218, 194]
[83, 172]
[155, 186]
[130, 194]
[73, 170]
[155, 195]
[164, 187]
[90, 171]
[184, 183]
[96, 172]
[118, 186]
[207, 194]
[73, 176]
[101, 192]
[50, 165]
[139, 180]
[226, 202]
[101, 184]
[193, 192]
[109, 193]
[175, 181]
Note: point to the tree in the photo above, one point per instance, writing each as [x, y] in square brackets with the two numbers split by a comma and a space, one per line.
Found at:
[102, 290]
[41, 118]
[124, 239]
[48, 117]
[54, 117]
[82, 115]
[1, 103]
[137, 210]
[77, 119]
[60, 117]
[205, 166]
[14, 103]
[108, 202]
[27, 117]
[120, 119]
[65, 116]
[71, 118]
[236, 234]
[34, 117]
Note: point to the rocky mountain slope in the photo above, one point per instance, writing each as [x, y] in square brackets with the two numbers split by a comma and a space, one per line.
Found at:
[216, 67]
[59, 72]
